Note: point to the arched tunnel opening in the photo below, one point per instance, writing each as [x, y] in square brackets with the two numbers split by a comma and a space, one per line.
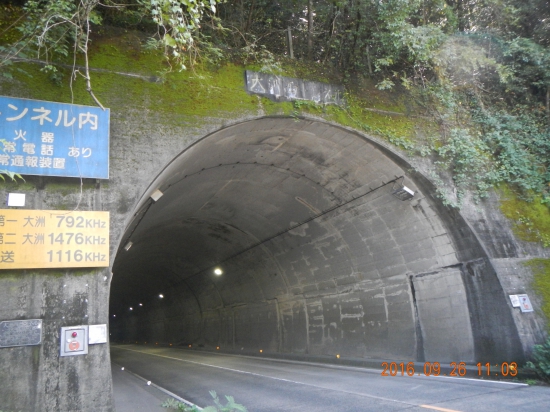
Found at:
[318, 255]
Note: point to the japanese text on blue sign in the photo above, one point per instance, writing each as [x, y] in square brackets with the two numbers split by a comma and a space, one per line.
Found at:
[53, 139]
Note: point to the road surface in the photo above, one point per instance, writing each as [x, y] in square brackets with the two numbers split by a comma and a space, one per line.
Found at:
[265, 385]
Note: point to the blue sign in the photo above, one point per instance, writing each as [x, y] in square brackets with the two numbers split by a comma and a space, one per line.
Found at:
[53, 139]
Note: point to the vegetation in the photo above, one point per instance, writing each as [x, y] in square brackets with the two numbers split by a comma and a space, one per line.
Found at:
[541, 361]
[541, 283]
[478, 69]
[230, 405]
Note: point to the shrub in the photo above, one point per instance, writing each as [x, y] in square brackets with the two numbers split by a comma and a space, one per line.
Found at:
[541, 361]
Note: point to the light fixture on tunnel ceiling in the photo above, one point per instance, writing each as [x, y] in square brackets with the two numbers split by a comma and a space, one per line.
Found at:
[403, 192]
[161, 295]
[128, 246]
[131, 308]
[156, 195]
[141, 304]
[218, 272]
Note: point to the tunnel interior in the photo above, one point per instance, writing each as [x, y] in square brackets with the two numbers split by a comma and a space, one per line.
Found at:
[318, 255]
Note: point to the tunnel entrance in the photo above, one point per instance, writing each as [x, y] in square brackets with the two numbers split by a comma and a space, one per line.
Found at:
[317, 255]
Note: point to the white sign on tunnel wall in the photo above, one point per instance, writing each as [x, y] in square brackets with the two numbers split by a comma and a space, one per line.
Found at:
[53, 239]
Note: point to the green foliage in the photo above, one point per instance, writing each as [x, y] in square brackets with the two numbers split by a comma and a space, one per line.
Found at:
[481, 69]
[520, 145]
[57, 29]
[230, 405]
[178, 22]
[541, 361]
[6, 173]
[469, 161]
[541, 283]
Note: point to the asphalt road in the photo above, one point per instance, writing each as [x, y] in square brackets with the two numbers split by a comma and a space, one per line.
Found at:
[265, 385]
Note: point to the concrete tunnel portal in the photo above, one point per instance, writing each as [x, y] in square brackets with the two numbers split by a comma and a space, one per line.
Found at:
[318, 256]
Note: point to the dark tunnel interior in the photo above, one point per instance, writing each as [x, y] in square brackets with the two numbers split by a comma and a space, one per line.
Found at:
[317, 253]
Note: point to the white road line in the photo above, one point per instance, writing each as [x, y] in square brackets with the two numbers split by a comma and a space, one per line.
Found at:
[479, 380]
[437, 408]
[160, 388]
[274, 378]
[358, 369]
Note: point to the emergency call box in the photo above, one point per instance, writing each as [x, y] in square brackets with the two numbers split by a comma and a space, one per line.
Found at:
[74, 340]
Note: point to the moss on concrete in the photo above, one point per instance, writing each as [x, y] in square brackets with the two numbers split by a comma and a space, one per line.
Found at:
[531, 218]
[186, 98]
[541, 283]
[18, 184]
[16, 274]
[65, 189]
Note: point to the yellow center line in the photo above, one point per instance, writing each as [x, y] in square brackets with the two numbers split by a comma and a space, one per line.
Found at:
[438, 408]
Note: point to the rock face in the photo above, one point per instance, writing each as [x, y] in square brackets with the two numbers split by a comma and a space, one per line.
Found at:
[318, 257]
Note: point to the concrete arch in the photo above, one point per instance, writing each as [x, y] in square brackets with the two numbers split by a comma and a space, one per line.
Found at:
[318, 256]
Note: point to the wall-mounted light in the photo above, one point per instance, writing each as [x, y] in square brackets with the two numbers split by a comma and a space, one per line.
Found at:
[156, 195]
[161, 295]
[131, 308]
[128, 246]
[141, 304]
[218, 272]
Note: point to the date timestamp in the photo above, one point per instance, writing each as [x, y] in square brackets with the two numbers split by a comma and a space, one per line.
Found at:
[452, 369]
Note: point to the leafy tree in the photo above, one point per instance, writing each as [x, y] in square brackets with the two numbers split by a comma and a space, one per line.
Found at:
[60, 28]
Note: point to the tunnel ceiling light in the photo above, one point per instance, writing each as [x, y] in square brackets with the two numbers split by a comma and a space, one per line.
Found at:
[403, 193]
[218, 271]
[141, 304]
[128, 246]
[156, 195]
[161, 295]
[131, 308]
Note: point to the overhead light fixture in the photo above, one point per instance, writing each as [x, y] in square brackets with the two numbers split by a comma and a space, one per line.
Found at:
[131, 308]
[156, 195]
[128, 246]
[141, 304]
[161, 295]
[403, 193]
[218, 271]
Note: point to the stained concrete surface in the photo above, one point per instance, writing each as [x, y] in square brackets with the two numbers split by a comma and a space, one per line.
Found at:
[347, 281]
[318, 256]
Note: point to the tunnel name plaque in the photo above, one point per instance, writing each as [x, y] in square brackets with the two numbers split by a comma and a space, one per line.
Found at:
[32, 239]
[20, 333]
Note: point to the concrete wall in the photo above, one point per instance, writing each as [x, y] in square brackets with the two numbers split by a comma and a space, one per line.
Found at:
[377, 278]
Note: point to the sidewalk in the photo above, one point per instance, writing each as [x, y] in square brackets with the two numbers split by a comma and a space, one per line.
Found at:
[132, 394]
